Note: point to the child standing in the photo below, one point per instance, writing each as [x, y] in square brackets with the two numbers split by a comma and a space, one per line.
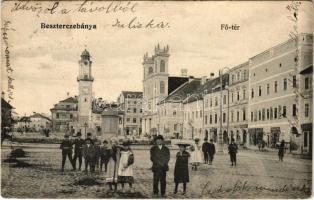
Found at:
[196, 156]
[104, 155]
[181, 169]
[125, 171]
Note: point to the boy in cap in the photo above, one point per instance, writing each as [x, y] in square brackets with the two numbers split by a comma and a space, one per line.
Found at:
[78, 150]
[66, 147]
[181, 169]
[104, 155]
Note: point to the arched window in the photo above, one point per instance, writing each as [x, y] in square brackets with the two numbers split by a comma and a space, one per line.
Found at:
[150, 70]
[162, 87]
[162, 66]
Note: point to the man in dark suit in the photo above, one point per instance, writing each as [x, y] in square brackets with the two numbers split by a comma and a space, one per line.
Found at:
[66, 147]
[205, 149]
[89, 153]
[212, 151]
[160, 156]
[233, 150]
[78, 150]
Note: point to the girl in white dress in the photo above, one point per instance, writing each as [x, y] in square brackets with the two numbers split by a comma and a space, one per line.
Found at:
[196, 155]
[125, 171]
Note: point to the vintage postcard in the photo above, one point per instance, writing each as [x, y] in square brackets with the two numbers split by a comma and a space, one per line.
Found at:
[156, 99]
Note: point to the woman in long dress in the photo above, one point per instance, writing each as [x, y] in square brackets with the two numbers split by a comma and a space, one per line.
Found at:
[196, 155]
[113, 165]
[125, 171]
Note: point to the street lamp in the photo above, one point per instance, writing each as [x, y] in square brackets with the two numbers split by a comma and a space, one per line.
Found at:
[220, 139]
[85, 125]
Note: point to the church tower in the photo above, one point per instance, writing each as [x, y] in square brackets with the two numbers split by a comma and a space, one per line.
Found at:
[155, 85]
[85, 81]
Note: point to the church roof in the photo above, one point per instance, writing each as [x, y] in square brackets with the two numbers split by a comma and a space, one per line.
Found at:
[183, 91]
[174, 82]
[208, 87]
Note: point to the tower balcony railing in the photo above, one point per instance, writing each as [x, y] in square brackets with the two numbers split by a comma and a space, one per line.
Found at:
[85, 78]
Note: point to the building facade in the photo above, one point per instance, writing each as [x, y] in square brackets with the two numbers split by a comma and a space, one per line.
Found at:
[130, 103]
[64, 115]
[275, 103]
[157, 85]
[237, 100]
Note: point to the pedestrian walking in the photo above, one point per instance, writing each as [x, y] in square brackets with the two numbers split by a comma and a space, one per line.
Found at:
[89, 153]
[125, 170]
[233, 150]
[66, 147]
[78, 150]
[212, 151]
[281, 150]
[104, 155]
[160, 156]
[181, 168]
[205, 149]
[196, 156]
[113, 165]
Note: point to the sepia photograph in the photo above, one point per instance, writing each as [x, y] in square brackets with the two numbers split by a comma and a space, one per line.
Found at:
[156, 99]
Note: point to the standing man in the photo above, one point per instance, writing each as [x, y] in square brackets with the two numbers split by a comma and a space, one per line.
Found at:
[66, 147]
[212, 151]
[233, 150]
[78, 150]
[205, 149]
[89, 153]
[160, 156]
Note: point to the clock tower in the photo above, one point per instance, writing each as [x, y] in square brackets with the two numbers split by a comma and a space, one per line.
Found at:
[85, 81]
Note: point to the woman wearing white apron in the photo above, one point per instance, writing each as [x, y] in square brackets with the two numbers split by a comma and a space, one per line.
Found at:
[125, 171]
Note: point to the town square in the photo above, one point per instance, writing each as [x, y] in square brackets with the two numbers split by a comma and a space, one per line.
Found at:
[95, 107]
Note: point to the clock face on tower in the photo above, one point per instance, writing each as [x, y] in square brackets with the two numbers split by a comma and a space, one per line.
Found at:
[85, 90]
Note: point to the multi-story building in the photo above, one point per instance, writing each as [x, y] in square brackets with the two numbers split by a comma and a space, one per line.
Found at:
[237, 100]
[64, 114]
[156, 86]
[171, 110]
[216, 108]
[274, 87]
[130, 103]
[39, 122]
[306, 93]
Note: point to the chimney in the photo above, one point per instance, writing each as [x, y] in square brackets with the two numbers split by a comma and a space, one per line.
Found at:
[211, 76]
[184, 72]
[203, 80]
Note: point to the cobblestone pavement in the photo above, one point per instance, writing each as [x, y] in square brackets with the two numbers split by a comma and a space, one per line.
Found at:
[257, 175]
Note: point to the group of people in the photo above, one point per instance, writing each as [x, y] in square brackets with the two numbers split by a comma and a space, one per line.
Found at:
[117, 159]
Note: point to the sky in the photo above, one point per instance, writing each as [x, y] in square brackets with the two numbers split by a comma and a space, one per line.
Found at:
[45, 61]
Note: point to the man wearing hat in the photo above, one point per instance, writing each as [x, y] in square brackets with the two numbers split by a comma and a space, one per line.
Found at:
[205, 149]
[160, 156]
[66, 147]
[78, 150]
[89, 153]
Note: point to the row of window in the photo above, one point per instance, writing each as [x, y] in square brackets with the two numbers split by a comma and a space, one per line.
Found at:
[277, 113]
[214, 120]
[63, 116]
[162, 67]
[285, 86]
[237, 76]
[134, 120]
[129, 110]
[233, 98]
[194, 115]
